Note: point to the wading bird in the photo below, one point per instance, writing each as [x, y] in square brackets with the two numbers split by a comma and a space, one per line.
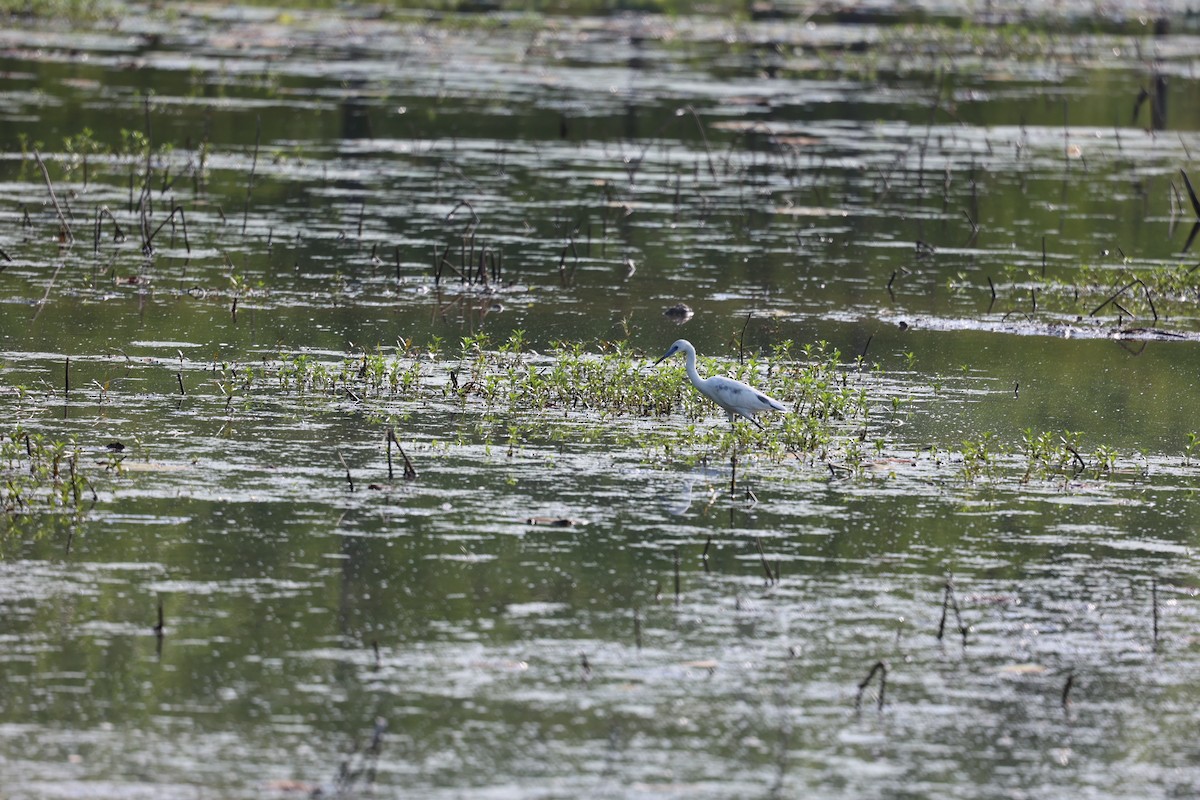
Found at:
[733, 396]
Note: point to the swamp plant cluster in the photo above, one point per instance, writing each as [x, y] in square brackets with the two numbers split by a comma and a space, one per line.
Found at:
[588, 395]
[509, 396]
[839, 413]
[39, 474]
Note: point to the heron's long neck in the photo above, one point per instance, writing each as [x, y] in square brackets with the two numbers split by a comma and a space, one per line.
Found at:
[690, 359]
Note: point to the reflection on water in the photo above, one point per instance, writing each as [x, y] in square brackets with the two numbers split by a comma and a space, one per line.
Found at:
[252, 606]
[678, 499]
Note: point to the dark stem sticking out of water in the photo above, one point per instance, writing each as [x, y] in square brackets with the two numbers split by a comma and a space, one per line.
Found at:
[118, 234]
[772, 577]
[148, 245]
[881, 668]
[677, 588]
[742, 338]
[637, 628]
[410, 472]
[950, 601]
[1195, 207]
[1066, 690]
[863, 355]
[1154, 612]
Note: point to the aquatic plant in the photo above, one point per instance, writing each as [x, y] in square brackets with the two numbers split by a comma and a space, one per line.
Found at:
[508, 392]
[1041, 455]
[39, 474]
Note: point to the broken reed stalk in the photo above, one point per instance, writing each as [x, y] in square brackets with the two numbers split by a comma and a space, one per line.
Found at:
[881, 668]
[1113, 297]
[1066, 690]
[387, 441]
[772, 577]
[732, 474]
[949, 600]
[54, 198]
[1154, 611]
[67, 376]
[118, 234]
[677, 592]
[637, 628]
[148, 245]
[410, 472]
[253, 169]
[160, 629]
[179, 377]
[562, 260]
[349, 477]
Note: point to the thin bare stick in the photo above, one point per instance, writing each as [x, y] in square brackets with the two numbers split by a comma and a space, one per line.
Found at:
[1154, 611]
[253, 167]
[148, 246]
[677, 592]
[58, 209]
[881, 668]
[742, 337]
[410, 472]
[349, 477]
[1066, 690]
[703, 136]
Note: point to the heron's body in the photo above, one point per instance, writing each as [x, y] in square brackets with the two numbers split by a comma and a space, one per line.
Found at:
[733, 396]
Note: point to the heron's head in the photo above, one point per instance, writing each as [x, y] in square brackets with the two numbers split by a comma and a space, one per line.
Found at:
[679, 346]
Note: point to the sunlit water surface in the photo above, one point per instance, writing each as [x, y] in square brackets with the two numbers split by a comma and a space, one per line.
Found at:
[958, 208]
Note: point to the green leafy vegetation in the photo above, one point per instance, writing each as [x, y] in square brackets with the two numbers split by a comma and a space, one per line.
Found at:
[509, 389]
[41, 475]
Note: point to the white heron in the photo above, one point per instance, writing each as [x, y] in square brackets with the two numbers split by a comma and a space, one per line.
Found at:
[733, 396]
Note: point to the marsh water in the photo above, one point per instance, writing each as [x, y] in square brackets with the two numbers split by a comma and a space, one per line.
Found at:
[988, 221]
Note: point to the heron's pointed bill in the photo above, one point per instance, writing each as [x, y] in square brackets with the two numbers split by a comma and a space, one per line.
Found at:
[671, 352]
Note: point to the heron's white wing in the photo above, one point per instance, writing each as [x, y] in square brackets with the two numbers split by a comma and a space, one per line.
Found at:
[736, 396]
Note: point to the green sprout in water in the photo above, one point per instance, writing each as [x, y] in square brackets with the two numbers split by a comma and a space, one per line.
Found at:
[40, 475]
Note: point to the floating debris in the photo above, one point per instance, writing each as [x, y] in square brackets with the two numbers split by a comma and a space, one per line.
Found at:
[679, 313]
[555, 522]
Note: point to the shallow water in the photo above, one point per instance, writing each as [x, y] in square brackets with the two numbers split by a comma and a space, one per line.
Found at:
[555, 607]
